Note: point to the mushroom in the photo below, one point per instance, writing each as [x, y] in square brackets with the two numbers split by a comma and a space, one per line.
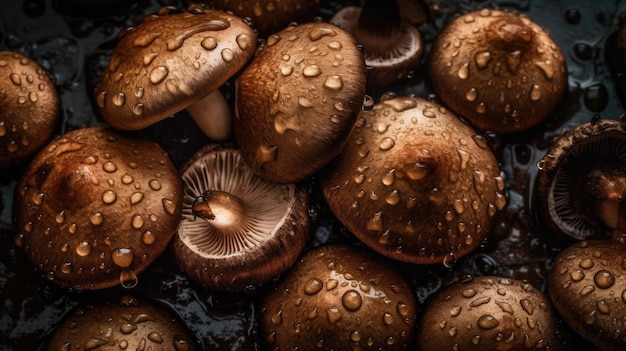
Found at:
[95, 207]
[339, 297]
[392, 46]
[587, 287]
[131, 324]
[269, 16]
[415, 183]
[580, 189]
[173, 60]
[29, 108]
[499, 70]
[297, 101]
[489, 313]
[237, 231]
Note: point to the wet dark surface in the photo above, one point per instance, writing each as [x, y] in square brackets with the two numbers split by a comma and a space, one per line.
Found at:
[74, 46]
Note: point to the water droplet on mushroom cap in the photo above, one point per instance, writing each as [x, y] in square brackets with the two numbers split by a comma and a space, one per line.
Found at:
[414, 212]
[88, 180]
[363, 302]
[130, 323]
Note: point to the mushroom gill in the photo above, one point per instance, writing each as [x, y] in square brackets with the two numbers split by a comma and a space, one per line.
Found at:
[580, 190]
[237, 230]
[415, 183]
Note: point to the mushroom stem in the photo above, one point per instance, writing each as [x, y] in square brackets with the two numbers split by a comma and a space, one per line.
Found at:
[607, 187]
[212, 115]
[379, 27]
[225, 211]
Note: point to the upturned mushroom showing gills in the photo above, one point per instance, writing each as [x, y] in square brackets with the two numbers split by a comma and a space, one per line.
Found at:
[29, 108]
[130, 324]
[392, 46]
[489, 313]
[415, 183]
[297, 101]
[587, 287]
[339, 297]
[499, 70]
[237, 231]
[580, 189]
[175, 60]
[96, 207]
[269, 16]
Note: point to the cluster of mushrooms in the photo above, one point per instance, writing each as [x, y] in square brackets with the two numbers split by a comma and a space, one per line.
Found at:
[414, 180]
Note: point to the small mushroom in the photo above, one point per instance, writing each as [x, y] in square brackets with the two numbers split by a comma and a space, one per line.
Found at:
[130, 324]
[339, 297]
[269, 16]
[499, 70]
[392, 46]
[237, 231]
[171, 61]
[415, 183]
[29, 109]
[587, 287]
[297, 101]
[580, 190]
[489, 313]
[95, 207]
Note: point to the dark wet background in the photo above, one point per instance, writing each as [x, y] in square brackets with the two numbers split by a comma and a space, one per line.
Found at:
[74, 46]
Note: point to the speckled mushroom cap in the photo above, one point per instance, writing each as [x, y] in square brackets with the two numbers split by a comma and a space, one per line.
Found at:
[489, 313]
[29, 108]
[339, 297]
[588, 289]
[130, 324]
[255, 229]
[415, 183]
[95, 207]
[269, 16]
[499, 70]
[297, 101]
[169, 61]
[580, 189]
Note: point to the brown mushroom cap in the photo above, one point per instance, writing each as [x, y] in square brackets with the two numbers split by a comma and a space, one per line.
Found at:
[339, 297]
[392, 46]
[237, 230]
[580, 190]
[168, 62]
[95, 207]
[131, 324]
[489, 313]
[499, 70]
[297, 101]
[269, 16]
[588, 289]
[415, 183]
[29, 108]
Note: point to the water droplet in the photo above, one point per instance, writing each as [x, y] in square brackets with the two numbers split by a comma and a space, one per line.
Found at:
[155, 337]
[60, 217]
[109, 167]
[487, 322]
[386, 143]
[482, 59]
[401, 104]
[311, 71]
[109, 197]
[333, 82]
[96, 218]
[351, 300]
[158, 74]
[243, 41]
[535, 92]
[83, 249]
[137, 221]
[577, 275]
[304, 102]
[128, 328]
[463, 72]
[155, 184]
[208, 43]
[286, 69]
[128, 279]
[319, 33]
[266, 154]
[227, 55]
[604, 279]
[122, 257]
[334, 314]
[313, 286]
[148, 237]
[119, 99]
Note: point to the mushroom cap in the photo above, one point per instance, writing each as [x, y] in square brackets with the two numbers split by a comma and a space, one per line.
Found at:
[588, 289]
[29, 108]
[169, 61]
[415, 183]
[297, 101]
[131, 324]
[339, 297]
[392, 59]
[566, 201]
[489, 313]
[499, 70]
[258, 244]
[269, 16]
[95, 207]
